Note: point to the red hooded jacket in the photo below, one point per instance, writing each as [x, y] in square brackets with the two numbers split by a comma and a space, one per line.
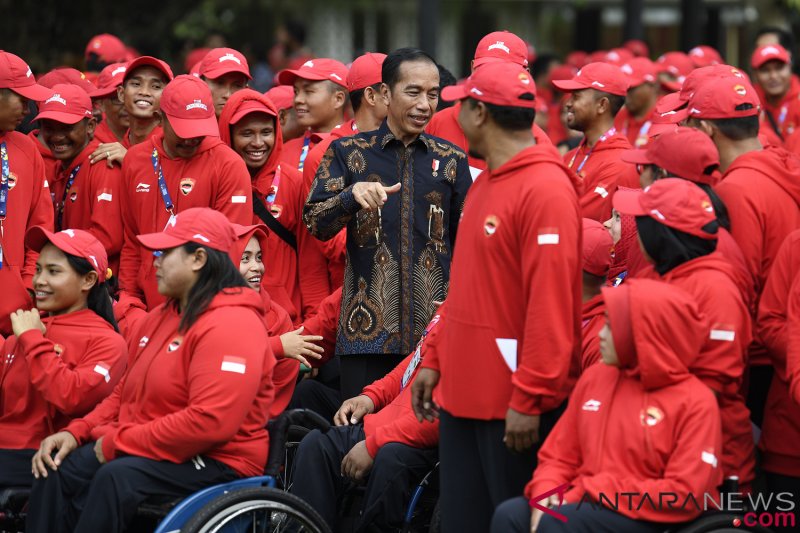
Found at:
[48, 379]
[593, 318]
[647, 426]
[104, 134]
[51, 164]
[214, 177]
[292, 149]
[176, 402]
[723, 358]
[513, 308]
[602, 172]
[780, 431]
[636, 131]
[155, 132]
[786, 113]
[281, 260]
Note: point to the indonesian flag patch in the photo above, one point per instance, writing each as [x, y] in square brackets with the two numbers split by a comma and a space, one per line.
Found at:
[103, 369]
[547, 236]
[231, 363]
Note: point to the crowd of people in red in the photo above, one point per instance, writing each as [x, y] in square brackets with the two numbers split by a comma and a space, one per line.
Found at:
[182, 258]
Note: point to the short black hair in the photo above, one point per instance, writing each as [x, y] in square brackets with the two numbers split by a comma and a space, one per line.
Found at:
[542, 64]
[615, 101]
[510, 117]
[390, 71]
[739, 128]
[446, 79]
[358, 95]
[785, 38]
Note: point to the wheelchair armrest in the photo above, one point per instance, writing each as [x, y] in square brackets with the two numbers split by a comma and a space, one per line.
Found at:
[279, 434]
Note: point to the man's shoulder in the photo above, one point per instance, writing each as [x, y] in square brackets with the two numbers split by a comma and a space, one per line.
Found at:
[442, 147]
[363, 140]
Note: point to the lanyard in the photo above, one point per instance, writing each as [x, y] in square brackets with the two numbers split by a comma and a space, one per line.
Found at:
[417, 354]
[63, 204]
[273, 191]
[162, 183]
[605, 136]
[304, 151]
[782, 116]
[5, 179]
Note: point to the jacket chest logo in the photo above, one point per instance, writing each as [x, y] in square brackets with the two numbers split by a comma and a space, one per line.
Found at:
[174, 344]
[143, 341]
[187, 184]
[58, 349]
[490, 225]
[73, 194]
[143, 187]
[592, 405]
[651, 416]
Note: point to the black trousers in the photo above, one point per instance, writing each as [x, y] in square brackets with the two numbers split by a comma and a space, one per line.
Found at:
[316, 396]
[514, 516]
[85, 496]
[396, 471]
[15, 468]
[360, 370]
[478, 472]
[778, 483]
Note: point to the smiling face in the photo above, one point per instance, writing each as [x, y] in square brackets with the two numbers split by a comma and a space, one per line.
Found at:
[412, 100]
[141, 91]
[581, 109]
[58, 288]
[223, 87]
[317, 104]
[115, 113]
[13, 108]
[178, 147]
[253, 138]
[251, 266]
[66, 141]
[775, 77]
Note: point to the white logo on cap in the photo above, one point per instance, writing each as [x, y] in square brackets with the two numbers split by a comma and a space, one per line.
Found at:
[500, 45]
[56, 98]
[694, 111]
[201, 237]
[769, 50]
[597, 84]
[474, 90]
[334, 75]
[29, 73]
[118, 70]
[696, 51]
[94, 260]
[658, 213]
[197, 104]
[309, 64]
[668, 113]
[230, 57]
[627, 69]
[69, 232]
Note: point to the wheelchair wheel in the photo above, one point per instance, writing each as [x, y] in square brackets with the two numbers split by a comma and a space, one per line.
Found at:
[256, 509]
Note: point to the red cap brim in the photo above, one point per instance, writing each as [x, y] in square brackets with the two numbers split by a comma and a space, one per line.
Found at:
[288, 77]
[248, 108]
[627, 202]
[160, 241]
[569, 85]
[60, 116]
[37, 237]
[103, 93]
[190, 128]
[453, 93]
[637, 157]
[226, 68]
[34, 92]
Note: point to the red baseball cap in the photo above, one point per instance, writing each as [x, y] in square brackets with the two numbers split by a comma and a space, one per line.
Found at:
[676, 64]
[220, 61]
[67, 75]
[110, 78]
[365, 71]
[677, 203]
[694, 80]
[282, 96]
[75, 242]
[187, 103]
[577, 59]
[769, 52]
[598, 248]
[719, 98]
[640, 70]
[501, 46]
[149, 61]
[316, 70]
[563, 72]
[500, 83]
[194, 58]
[201, 225]
[638, 47]
[704, 56]
[684, 153]
[250, 105]
[69, 104]
[618, 56]
[15, 74]
[603, 77]
[108, 48]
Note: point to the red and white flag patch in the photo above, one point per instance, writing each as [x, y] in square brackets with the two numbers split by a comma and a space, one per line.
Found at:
[231, 363]
[547, 236]
[104, 370]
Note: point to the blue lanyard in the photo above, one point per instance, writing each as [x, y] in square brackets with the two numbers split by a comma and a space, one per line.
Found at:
[304, 151]
[4, 181]
[273, 190]
[605, 136]
[162, 183]
[63, 204]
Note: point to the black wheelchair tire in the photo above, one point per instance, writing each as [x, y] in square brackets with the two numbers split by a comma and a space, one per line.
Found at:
[264, 498]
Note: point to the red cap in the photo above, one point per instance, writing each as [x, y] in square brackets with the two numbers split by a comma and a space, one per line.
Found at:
[676, 63]
[637, 47]
[316, 70]
[640, 70]
[769, 52]
[719, 98]
[598, 248]
[67, 75]
[618, 56]
[75, 242]
[187, 103]
[597, 56]
[107, 47]
[499, 83]
[365, 71]
[282, 96]
[201, 225]
[501, 46]
[193, 59]
[16, 75]
[149, 61]
[577, 58]
[110, 78]
[563, 72]
[221, 61]
[677, 203]
[704, 56]
[685, 153]
[603, 77]
[249, 106]
[694, 80]
[68, 105]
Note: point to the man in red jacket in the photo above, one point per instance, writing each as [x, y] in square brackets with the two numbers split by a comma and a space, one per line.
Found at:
[116, 120]
[226, 71]
[503, 365]
[184, 166]
[377, 438]
[597, 93]
[598, 253]
[635, 119]
[24, 193]
[777, 89]
[760, 187]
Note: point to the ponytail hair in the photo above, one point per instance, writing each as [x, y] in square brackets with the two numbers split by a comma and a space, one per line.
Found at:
[99, 298]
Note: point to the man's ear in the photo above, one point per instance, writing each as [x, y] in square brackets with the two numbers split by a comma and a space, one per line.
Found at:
[707, 127]
[282, 114]
[386, 94]
[602, 105]
[370, 95]
[339, 98]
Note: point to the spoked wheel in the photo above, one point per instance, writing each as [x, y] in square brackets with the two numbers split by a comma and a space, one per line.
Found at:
[256, 510]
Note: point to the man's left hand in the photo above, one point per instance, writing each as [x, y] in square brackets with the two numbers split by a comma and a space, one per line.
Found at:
[522, 431]
[98, 451]
[357, 463]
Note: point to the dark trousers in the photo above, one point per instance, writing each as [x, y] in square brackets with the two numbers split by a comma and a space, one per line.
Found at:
[777, 483]
[759, 381]
[514, 516]
[316, 396]
[360, 370]
[478, 472]
[395, 472]
[15, 468]
[85, 496]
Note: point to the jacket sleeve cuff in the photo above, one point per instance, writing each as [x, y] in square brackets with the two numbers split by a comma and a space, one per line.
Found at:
[29, 339]
[277, 346]
[80, 430]
[372, 446]
[376, 401]
[109, 445]
[525, 403]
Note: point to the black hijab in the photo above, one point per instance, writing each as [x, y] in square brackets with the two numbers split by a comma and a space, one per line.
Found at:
[669, 247]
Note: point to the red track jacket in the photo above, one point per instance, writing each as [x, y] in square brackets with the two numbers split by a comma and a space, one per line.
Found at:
[592, 321]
